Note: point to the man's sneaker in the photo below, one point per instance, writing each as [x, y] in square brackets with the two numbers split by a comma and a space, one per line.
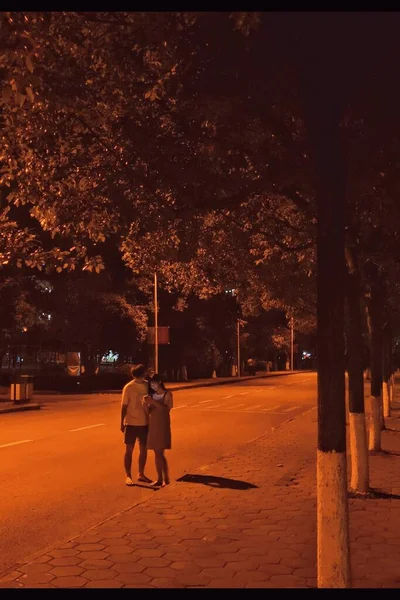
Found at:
[129, 481]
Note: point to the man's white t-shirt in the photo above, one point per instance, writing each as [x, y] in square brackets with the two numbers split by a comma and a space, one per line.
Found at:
[132, 397]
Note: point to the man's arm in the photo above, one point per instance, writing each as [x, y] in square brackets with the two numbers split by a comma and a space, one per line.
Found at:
[124, 408]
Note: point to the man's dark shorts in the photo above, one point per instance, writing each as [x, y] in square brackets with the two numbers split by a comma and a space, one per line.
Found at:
[133, 432]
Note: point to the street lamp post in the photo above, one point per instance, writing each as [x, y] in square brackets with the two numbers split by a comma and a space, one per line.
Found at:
[291, 343]
[238, 347]
[155, 324]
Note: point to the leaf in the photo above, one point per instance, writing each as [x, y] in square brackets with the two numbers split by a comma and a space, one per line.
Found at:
[6, 94]
[29, 93]
[34, 80]
[20, 99]
[29, 63]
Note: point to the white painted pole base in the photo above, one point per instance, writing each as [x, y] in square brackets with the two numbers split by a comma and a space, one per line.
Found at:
[359, 453]
[214, 375]
[392, 389]
[333, 556]
[374, 438]
[386, 399]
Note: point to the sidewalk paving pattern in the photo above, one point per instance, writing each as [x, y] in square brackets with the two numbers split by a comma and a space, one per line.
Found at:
[246, 521]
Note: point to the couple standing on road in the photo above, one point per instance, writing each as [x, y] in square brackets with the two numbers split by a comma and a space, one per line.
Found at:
[145, 409]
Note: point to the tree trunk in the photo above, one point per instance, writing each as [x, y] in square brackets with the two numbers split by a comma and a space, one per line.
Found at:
[275, 361]
[392, 390]
[375, 323]
[385, 370]
[214, 362]
[358, 432]
[391, 369]
[184, 372]
[322, 119]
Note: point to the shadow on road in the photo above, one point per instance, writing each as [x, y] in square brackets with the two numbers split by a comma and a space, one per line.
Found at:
[141, 485]
[389, 453]
[384, 495]
[374, 494]
[217, 482]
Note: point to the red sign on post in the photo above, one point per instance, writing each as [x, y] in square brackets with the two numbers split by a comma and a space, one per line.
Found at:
[163, 335]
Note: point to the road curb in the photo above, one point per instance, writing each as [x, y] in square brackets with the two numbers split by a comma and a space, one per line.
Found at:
[21, 408]
[171, 386]
[231, 381]
[214, 383]
[190, 386]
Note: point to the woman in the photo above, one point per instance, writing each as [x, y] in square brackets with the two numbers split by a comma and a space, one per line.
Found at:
[159, 437]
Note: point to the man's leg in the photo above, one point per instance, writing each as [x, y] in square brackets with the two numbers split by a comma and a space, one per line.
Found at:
[143, 455]
[142, 461]
[128, 459]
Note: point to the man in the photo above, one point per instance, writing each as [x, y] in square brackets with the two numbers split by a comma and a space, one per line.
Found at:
[135, 421]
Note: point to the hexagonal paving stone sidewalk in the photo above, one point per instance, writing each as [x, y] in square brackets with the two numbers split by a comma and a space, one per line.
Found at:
[249, 522]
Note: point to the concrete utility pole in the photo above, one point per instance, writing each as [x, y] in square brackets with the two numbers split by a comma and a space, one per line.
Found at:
[155, 325]
[292, 343]
[238, 347]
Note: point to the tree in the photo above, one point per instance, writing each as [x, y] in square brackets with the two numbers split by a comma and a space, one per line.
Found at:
[355, 344]
[162, 164]
[323, 89]
[86, 312]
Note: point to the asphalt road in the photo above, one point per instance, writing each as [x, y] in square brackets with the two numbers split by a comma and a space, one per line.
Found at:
[61, 467]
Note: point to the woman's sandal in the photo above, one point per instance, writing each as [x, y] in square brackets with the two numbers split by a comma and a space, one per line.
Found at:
[143, 479]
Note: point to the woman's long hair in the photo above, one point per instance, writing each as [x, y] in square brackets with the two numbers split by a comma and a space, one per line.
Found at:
[157, 378]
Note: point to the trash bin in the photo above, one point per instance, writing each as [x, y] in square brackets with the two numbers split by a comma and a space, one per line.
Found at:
[22, 389]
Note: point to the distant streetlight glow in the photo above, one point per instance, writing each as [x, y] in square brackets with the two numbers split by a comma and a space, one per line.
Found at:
[232, 292]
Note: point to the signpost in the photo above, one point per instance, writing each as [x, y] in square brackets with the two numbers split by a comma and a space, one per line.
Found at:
[163, 335]
[157, 335]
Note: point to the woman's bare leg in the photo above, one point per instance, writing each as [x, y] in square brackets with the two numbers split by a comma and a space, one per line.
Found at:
[158, 455]
[165, 470]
